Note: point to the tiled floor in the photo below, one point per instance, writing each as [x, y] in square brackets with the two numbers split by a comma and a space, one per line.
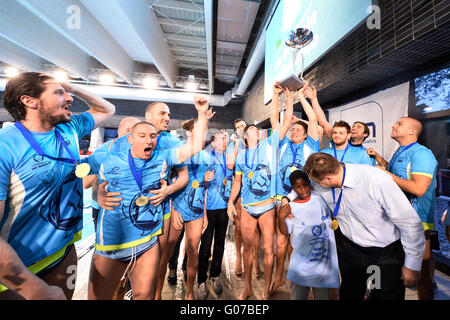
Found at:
[232, 284]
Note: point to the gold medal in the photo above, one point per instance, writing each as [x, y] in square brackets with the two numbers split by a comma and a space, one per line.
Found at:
[293, 168]
[82, 170]
[334, 224]
[141, 201]
[225, 181]
[251, 174]
[195, 184]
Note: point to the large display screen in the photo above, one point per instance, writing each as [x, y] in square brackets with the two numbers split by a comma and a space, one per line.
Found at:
[329, 20]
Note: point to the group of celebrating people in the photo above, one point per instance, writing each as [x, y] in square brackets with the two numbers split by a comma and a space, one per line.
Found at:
[337, 213]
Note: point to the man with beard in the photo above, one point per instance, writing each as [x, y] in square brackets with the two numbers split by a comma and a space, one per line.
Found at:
[41, 204]
[339, 135]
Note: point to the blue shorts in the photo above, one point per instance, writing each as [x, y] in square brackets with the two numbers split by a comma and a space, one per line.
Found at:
[256, 212]
[126, 254]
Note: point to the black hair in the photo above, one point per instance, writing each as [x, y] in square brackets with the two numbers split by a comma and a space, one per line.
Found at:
[298, 174]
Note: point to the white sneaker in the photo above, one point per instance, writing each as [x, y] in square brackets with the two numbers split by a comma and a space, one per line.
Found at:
[202, 292]
[217, 285]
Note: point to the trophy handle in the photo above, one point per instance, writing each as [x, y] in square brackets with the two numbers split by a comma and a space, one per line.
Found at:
[294, 57]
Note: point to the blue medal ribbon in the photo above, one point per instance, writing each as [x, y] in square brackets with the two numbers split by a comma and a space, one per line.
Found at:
[338, 204]
[294, 152]
[35, 145]
[224, 167]
[253, 160]
[335, 154]
[397, 154]
[137, 175]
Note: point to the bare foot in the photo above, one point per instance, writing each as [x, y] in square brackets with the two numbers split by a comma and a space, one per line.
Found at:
[245, 294]
[275, 285]
[258, 273]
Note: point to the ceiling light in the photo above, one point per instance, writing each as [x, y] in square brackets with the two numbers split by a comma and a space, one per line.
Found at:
[150, 82]
[191, 85]
[106, 78]
[60, 76]
[11, 72]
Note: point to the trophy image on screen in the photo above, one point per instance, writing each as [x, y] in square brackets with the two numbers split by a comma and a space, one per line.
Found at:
[298, 39]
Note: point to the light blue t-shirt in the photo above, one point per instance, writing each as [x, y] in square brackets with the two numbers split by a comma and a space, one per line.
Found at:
[219, 188]
[288, 163]
[105, 147]
[262, 162]
[189, 202]
[313, 261]
[44, 199]
[417, 159]
[165, 141]
[351, 155]
[372, 159]
[129, 225]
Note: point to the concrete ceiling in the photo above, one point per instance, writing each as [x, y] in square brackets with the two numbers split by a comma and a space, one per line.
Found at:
[169, 38]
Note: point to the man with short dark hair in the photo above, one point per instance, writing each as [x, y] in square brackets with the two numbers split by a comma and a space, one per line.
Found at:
[41, 203]
[376, 228]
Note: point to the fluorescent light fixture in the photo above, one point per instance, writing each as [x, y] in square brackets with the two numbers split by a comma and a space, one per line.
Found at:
[11, 72]
[60, 75]
[191, 85]
[150, 82]
[106, 78]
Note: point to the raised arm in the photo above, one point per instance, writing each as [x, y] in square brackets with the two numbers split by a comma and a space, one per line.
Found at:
[311, 94]
[199, 132]
[100, 109]
[274, 111]
[231, 158]
[288, 113]
[313, 126]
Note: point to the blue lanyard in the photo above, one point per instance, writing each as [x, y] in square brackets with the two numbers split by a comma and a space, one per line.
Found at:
[33, 143]
[338, 204]
[194, 167]
[397, 154]
[294, 152]
[254, 155]
[224, 167]
[335, 154]
[137, 176]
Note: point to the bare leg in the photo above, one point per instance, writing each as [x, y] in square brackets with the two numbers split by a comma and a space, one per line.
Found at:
[238, 238]
[257, 240]
[104, 277]
[266, 223]
[193, 236]
[173, 236]
[282, 242]
[144, 273]
[248, 228]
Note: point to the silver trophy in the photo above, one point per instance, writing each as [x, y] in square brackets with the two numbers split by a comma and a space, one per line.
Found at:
[298, 39]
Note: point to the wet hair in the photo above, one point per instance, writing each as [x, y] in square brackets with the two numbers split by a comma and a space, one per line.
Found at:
[152, 105]
[298, 174]
[133, 128]
[342, 124]
[188, 125]
[248, 127]
[237, 120]
[366, 129]
[319, 164]
[303, 124]
[27, 83]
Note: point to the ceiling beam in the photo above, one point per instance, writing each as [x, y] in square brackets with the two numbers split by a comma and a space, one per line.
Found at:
[91, 37]
[198, 26]
[208, 6]
[25, 29]
[16, 56]
[136, 28]
[184, 38]
[174, 4]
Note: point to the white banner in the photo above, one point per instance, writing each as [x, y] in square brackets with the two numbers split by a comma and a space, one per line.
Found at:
[379, 111]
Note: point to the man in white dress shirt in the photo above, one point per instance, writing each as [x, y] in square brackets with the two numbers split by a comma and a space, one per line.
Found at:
[380, 237]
